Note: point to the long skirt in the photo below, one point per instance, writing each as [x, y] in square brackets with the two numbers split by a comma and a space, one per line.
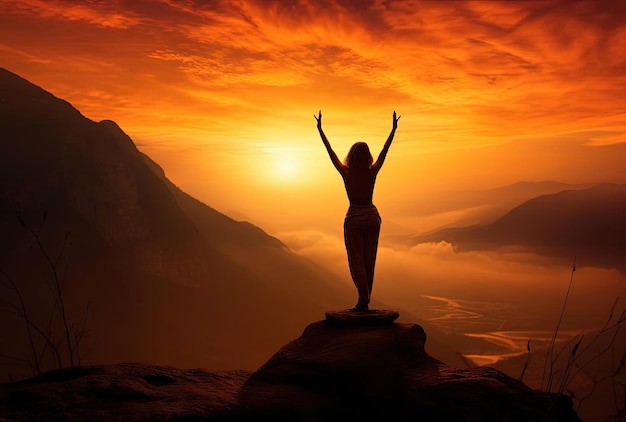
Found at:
[361, 237]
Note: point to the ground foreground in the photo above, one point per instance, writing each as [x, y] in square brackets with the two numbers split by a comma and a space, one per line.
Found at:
[365, 370]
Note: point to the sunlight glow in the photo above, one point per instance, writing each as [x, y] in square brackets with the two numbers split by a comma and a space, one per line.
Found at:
[285, 165]
[286, 168]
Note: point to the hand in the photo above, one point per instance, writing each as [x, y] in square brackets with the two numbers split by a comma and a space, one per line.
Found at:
[319, 120]
[395, 120]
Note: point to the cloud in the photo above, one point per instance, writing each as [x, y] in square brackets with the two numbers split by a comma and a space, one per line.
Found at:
[480, 67]
[471, 280]
[29, 57]
[108, 14]
[490, 92]
[490, 303]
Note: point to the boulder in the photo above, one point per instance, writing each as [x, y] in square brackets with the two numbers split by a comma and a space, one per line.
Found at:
[356, 370]
[382, 372]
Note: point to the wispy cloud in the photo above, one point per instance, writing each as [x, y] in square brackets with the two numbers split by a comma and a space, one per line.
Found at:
[108, 14]
[28, 57]
[490, 64]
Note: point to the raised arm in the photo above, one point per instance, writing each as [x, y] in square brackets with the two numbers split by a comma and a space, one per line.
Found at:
[333, 157]
[383, 154]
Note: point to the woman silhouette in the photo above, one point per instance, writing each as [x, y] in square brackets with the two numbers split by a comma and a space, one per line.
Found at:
[362, 222]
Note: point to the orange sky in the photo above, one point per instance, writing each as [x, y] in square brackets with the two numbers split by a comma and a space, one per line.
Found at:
[221, 93]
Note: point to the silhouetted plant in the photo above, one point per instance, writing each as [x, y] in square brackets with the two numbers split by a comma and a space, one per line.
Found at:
[466, 361]
[48, 345]
[612, 329]
[550, 358]
[557, 375]
[527, 362]
[20, 310]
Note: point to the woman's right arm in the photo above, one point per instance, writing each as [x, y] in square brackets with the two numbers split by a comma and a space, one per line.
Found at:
[333, 157]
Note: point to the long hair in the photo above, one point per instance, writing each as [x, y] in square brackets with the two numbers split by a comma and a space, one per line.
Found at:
[359, 156]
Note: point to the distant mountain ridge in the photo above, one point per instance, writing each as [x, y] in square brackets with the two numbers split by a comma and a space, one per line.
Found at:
[487, 205]
[587, 223]
[503, 197]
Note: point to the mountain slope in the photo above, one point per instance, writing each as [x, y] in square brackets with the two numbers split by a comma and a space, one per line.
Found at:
[167, 278]
[588, 223]
[157, 276]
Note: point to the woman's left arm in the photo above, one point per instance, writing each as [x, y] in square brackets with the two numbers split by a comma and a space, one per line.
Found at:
[383, 154]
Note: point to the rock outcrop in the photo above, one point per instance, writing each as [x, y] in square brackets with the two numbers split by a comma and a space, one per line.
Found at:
[357, 370]
[382, 372]
[123, 392]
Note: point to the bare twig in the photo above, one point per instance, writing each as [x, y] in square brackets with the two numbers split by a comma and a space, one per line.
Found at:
[466, 361]
[24, 314]
[52, 345]
[58, 282]
[521, 375]
[550, 354]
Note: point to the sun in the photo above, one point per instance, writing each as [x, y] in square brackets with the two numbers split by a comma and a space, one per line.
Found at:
[286, 167]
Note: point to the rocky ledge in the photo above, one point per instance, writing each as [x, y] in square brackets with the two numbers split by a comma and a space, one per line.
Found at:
[357, 369]
[382, 372]
[122, 392]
